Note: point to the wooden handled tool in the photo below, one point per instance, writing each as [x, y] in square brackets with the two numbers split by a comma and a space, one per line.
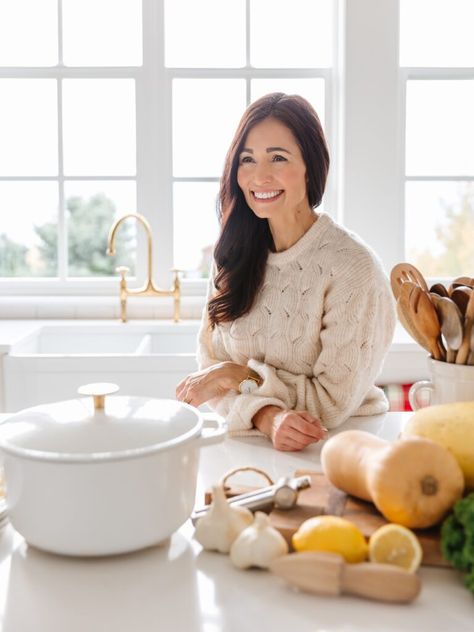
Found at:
[403, 272]
[465, 348]
[329, 574]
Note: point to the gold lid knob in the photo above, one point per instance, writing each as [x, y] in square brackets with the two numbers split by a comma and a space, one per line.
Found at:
[98, 390]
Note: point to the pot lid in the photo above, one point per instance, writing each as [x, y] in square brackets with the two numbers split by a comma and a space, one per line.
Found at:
[99, 427]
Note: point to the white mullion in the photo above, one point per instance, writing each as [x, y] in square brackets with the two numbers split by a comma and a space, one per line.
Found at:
[438, 73]
[62, 250]
[248, 90]
[248, 72]
[248, 79]
[196, 179]
[441, 178]
[28, 178]
[165, 260]
[401, 175]
[336, 110]
[77, 178]
[83, 72]
[60, 33]
[62, 233]
[164, 202]
[332, 122]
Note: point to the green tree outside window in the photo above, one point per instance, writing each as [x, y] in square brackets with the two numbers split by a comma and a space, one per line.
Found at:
[88, 222]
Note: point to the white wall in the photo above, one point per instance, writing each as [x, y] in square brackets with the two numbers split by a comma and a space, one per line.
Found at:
[370, 152]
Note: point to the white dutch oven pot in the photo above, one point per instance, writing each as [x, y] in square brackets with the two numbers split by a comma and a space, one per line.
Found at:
[88, 477]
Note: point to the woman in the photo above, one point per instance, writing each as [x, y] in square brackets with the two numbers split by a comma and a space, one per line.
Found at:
[299, 313]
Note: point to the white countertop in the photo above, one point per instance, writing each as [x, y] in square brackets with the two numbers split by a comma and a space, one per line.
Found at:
[178, 587]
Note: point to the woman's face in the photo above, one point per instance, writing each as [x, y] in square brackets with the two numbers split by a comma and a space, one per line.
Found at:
[272, 173]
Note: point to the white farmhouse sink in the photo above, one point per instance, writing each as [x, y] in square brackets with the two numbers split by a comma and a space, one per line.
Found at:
[77, 341]
[144, 359]
[109, 339]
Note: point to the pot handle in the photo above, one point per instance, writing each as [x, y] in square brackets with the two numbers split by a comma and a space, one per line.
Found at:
[214, 429]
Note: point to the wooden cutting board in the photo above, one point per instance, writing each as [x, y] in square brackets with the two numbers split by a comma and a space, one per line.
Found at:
[324, 498]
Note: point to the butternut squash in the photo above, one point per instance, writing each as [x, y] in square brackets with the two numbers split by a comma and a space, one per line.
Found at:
[413, 482]
[452, 426]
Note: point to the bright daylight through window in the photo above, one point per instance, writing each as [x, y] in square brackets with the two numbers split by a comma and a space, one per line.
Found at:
[77, 130]
[110, 107]
[439, 161]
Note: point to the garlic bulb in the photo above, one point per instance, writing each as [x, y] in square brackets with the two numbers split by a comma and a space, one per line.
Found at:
[258, 545]
[221, 525]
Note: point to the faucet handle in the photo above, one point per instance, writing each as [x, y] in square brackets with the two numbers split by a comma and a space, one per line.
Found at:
[176, 272]
[123, 271]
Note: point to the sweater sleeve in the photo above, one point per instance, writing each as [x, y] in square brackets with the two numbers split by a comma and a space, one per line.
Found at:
[238, 409]
[356, 331]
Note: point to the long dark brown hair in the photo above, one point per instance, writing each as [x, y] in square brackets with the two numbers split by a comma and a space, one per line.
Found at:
[245, 240]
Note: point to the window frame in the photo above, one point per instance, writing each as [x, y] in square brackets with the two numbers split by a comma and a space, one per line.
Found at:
[154, 177]
[412, 73]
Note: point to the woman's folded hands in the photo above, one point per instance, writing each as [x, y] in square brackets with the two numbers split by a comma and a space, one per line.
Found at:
[289, 430]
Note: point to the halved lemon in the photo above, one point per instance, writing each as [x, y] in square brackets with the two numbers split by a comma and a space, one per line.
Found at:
[395, 544]
[333, 535]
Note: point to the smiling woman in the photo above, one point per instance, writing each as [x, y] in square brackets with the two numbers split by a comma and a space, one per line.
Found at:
[299, 314]
[273, 181]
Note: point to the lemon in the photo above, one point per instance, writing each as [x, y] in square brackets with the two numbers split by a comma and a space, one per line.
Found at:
[331, 534]
[394, 544]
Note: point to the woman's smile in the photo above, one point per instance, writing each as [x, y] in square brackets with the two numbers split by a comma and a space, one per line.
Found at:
[267, 196]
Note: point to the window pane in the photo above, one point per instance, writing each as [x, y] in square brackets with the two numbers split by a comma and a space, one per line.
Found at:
[439, 227]
[28, 33]
[205, 34]
[440, 127]
[310, 89]
[296, 34]
[28, 230]
[99, 127]
[28, 127]
[436, 33]
[205, 115]
[91, 209]
[195, 226]
[102, 32]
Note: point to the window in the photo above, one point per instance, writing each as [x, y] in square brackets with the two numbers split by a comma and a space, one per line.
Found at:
[439, 161]
[241, 51]
[110, 107]
[68, 127]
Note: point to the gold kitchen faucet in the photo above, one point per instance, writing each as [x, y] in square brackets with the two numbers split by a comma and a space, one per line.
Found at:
[149, 289]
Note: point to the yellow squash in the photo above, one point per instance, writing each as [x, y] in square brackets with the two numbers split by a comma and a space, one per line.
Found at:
[452, 426]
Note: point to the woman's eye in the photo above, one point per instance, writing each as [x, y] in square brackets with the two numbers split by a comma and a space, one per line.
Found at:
[246, 159]
[278, 158]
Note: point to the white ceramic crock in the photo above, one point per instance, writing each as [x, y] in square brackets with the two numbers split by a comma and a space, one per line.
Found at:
[449, 383]
[85, 480]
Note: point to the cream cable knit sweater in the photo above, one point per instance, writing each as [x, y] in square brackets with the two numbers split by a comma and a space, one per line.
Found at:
[317, 333]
